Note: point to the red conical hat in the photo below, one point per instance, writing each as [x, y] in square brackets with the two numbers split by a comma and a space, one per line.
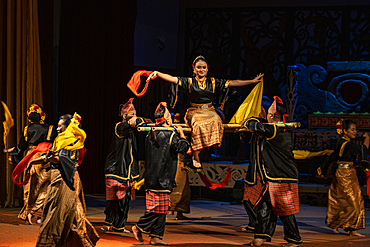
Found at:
[127, 108]
[167, 114]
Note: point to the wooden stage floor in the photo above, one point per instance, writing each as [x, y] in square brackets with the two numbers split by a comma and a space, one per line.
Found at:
[211, 223]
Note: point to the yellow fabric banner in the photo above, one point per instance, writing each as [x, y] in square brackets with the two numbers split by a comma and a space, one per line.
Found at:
[304, 154]
[8, 123]
[72, 135]
[251, 107]
[139, 184]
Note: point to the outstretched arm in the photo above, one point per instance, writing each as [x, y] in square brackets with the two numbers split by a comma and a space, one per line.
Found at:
[163, 76]
[238, 83]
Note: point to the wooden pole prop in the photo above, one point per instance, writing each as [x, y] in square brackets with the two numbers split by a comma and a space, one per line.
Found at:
[227, 127]
[161, 128]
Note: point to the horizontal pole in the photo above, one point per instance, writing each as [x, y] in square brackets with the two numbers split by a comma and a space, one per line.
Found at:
[161, 128]
[227, 127]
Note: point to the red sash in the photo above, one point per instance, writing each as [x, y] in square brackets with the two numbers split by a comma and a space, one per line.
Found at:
[211, 185]
[81, 154]
[135, 81]
[43, 147]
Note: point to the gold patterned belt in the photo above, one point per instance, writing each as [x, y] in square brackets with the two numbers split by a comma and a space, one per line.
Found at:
[201, 106]
[345, 166]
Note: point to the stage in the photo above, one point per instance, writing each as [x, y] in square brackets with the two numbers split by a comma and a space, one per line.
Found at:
[211, 223]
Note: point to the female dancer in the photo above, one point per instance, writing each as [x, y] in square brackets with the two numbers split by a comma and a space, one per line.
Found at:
[346, 206]
[34, 191]
[207, 128]
[63, 220]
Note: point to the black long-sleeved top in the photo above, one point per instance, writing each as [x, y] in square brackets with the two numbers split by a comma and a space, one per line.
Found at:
[33, 134]
[121, 163]
[214, 91]
[161, 159]
[271, 154]
[349, 151]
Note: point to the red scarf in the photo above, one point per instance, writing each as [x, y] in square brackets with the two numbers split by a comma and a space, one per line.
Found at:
[211, 185]
[135, 81]
[43, 147]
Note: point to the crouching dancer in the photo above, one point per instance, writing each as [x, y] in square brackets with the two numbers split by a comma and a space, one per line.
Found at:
[161, 149]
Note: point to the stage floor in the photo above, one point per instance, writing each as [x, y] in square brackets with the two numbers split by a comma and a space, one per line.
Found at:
[211, 223]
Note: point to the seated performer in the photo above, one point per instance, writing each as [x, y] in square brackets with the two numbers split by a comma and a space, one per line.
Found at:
[346, 208]
[63, 220]
[121, 169]
[272, 177]
[34, 191]
[206, 125]
[161, 150]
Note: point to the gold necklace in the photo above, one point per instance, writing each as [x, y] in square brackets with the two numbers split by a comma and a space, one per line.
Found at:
[202, 85]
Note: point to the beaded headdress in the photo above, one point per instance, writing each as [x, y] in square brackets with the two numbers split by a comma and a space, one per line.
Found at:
[35, 108]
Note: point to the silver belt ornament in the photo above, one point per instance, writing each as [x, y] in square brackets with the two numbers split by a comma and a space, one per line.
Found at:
[345, 166]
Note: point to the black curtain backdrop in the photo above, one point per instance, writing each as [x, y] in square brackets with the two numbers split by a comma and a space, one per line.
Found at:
[96, 61]
[46, 17]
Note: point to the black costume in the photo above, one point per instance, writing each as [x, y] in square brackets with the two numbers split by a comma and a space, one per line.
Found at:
[33, 135]
[345, 201]
[34, 192]
[64, 222]
[272, 179]
[121, 169]
[160, 170]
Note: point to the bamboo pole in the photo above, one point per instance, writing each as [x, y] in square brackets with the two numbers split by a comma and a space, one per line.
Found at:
[227, 127]
[187, 130]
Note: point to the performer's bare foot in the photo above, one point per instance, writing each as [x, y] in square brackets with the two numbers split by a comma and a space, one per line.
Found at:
[180, 216]
[356, 234]
[38, 221]
[196, 163]
[157, 241]
[29, 217]
[106, 228]
[335, 230]
[126, 231]
[258, 242]
[137, 234]
[290, 245]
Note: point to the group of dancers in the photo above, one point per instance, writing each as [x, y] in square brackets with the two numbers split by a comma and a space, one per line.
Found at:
[271, 183]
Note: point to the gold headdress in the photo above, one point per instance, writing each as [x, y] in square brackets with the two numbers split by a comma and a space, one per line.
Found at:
[38, 110]
[340, 127]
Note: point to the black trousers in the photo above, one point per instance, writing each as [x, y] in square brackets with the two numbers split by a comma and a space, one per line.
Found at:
[252, 214]
[152, 224]
[266, 223]
[116, 212]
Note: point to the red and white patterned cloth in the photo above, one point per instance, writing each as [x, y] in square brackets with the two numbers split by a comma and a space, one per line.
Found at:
[254, 193]
[157, 202]
[284, 196]
[116, 190]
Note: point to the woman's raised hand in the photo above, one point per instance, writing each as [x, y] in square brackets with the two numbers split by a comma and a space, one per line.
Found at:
[258, 78]
[152, 76]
